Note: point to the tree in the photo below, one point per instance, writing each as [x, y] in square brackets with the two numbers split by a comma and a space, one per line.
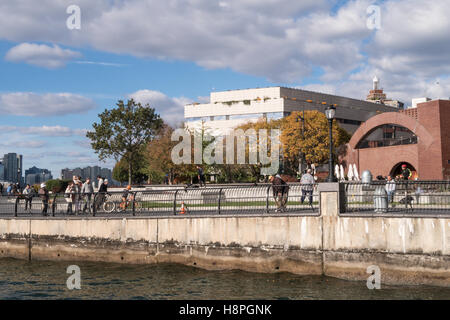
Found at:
[315, 145]
[120, 170]
[123, 132]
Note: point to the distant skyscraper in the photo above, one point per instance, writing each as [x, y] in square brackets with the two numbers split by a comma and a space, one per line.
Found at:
[2, 171]
[36, 176]
[13, 167]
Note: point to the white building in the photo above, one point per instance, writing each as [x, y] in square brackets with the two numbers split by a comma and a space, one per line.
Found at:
[229, 109]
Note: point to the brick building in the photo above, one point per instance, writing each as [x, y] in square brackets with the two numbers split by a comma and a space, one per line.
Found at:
[418, 137]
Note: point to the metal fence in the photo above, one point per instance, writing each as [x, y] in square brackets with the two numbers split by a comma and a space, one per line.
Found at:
[398, 197]
[227, 200]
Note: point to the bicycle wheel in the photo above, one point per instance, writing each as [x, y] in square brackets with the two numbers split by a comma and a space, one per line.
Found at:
[109, 206]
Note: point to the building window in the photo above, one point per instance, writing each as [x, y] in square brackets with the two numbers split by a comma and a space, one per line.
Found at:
[387, 135]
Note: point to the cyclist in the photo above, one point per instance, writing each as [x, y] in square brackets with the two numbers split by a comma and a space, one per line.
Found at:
[125, 194]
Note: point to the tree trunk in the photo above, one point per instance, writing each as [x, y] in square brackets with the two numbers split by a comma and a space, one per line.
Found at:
[129, 173]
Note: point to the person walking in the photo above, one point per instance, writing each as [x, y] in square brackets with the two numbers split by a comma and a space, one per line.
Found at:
[99, 183]
[101, 194]
[201, 176]
[77, 185]
[390, 188]
[86, 192]
[307, 182]
[1, 189]
[43, 194]
[280, 192]
[69, 195]
[28, 193]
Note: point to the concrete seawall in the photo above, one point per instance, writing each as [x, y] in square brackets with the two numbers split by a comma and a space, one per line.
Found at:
[407, 250]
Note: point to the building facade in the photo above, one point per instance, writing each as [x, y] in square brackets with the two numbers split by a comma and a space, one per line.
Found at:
[229, 109]
[87, 172]
[418, 137]
[13, 169]
[35, 175]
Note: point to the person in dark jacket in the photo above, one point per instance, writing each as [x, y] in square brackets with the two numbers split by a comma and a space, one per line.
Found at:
[406, 173]
[43, 194]
[280, 192]
[101, 195]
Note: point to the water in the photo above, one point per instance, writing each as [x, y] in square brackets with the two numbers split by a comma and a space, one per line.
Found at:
[47, 280]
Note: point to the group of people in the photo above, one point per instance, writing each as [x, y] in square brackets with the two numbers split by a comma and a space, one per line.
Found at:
[79, 195]
[281, 190]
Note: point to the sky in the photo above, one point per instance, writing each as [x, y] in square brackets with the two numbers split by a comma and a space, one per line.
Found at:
[60, 69]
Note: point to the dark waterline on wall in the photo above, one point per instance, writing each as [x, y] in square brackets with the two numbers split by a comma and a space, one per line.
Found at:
[47, 280]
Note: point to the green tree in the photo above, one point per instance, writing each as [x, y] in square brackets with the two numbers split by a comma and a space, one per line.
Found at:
[120, 170]
[123, 132]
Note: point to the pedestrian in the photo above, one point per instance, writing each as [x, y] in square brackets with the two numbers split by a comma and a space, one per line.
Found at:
[43, 194]
[201, 176]
[1, 189]
[86, 191]
[28, 193]
[390, 188]
[99, 183]
[280, 192]
[307, 182]
[77, 185]
[9, 190]
[406, 173]
[68, 195]
[101, 195]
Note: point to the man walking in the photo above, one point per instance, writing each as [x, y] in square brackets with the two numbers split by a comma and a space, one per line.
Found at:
[307, 182]
[390, 189]
[28, 194]
[43, 194]
[201, 176]
[86, 191]
[280, 192]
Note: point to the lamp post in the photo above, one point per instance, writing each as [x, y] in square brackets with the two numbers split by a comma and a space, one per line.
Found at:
[302, 155]
[330, 112]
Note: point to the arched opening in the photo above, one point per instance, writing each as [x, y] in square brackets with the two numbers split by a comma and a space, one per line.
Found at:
[387, 135]
[397, 170]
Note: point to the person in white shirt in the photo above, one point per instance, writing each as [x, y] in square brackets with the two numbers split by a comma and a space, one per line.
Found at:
[390, 188]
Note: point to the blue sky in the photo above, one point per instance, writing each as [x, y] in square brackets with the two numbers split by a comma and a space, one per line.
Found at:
[54, 81]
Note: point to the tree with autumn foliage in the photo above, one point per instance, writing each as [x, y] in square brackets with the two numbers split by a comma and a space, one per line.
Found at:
[315, 144]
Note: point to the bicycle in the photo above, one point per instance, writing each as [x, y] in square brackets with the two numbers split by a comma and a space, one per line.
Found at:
[129, 201]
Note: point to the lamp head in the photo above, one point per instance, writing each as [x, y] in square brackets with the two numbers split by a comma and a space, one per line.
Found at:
[330, 112]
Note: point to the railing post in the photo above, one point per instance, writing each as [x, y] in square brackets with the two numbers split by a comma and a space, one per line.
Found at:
[267, 199]
[94, 205]
[134, 202]
[219, 200]
[175, 202]
[54, 204]
[16, 205]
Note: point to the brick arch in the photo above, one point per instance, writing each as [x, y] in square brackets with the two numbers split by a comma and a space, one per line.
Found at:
[397, 118]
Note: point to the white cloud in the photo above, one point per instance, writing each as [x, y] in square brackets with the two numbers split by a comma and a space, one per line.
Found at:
[49, 104]
[44, 131]
[284, 41]
[170, 109]
[24, 144]
[41, 55]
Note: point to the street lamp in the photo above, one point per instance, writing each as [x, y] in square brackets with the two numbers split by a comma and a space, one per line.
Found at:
[302, 155]
[330, 112]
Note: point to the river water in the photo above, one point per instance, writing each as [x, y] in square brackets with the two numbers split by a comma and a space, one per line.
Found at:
[47, 280]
